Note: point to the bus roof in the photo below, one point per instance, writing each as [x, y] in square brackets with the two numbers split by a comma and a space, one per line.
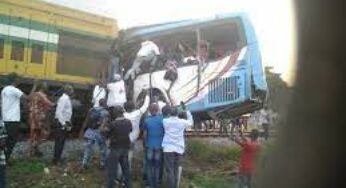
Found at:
[150, 30]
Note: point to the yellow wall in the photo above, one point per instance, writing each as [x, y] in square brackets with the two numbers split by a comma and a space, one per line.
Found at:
[61, 17]
[65, 17]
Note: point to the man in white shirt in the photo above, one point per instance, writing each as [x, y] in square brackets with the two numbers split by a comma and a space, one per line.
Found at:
[264, 120]
[116, 92]
[147, 53]
[174, 144]
[10, 111]
[98, 94]
[63, 115]
[135, 117]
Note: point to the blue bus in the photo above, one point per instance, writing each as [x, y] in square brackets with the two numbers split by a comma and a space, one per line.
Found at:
[218, 64]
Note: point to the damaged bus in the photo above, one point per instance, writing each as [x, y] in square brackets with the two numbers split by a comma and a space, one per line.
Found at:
[219, 68]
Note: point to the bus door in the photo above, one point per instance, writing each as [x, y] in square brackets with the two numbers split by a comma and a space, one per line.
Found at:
[18, 41]
[37, 45]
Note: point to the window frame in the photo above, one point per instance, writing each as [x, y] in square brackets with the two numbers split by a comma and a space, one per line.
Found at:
[41, 58]
[2, 47]
[12, 51]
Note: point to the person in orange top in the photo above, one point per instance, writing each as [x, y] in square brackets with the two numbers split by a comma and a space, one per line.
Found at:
[39, 105]
[247, 164]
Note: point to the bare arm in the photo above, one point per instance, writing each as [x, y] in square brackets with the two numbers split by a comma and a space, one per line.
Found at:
[189, 121]
[239, 140]
[47, 101]
[145, 104]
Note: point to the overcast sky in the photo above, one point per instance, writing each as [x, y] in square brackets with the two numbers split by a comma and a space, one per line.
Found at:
[273, 20]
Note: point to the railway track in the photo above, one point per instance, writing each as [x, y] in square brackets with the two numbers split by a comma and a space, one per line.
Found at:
[216, 133]
[209, 133]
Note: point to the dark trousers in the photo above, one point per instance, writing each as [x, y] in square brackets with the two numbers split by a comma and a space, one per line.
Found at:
[244, 181]
[60, 137]
[172, 162]
[115, 157]
[154, 163]
[2, 176]
[12, 129]
[265, 130]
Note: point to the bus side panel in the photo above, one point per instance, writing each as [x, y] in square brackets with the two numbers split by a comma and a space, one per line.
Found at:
[254, 56]
[257, 72]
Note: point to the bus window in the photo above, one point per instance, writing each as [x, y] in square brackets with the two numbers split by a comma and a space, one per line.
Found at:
[2, 47]
[17, 51]
[37, 53]
[180, 46]
[222, 38]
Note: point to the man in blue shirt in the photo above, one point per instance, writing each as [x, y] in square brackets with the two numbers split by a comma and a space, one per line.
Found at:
[153, 134]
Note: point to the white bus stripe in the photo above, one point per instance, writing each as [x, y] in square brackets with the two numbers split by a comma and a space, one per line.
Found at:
[25, 33]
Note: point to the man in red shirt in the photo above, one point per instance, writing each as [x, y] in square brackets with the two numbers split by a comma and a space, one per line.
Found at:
[247, 164]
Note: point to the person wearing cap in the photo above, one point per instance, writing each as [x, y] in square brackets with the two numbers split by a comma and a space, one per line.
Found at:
[116, 92]
[63, 115]
[147, 53]
[119, 144]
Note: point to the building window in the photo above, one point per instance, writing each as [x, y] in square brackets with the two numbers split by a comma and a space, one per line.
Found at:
[17, 52]
[37, 53]
[2, 47]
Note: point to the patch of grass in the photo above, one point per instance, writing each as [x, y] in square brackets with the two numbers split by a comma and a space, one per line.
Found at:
[22, 167]
[205, 166]
[213, 181]
[201, 151]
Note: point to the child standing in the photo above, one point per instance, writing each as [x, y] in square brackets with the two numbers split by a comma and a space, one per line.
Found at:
[250, 149]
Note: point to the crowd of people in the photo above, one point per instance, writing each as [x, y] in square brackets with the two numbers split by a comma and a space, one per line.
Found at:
[115, 125]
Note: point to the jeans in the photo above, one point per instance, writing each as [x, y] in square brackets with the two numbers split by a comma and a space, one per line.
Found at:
[116, 156]
[2, 176]
[244, 181]
[12, 129]
[89, 143]
[60, 137]
[153, 160]
[172, 162]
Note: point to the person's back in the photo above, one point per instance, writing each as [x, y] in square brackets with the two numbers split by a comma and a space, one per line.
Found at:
[155, 131]
[249, 152]
[173, 140]
[10, 103]
[247, 163]
[118, 134]
[120, 129]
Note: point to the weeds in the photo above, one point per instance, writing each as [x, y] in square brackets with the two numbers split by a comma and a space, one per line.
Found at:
[205, 166]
